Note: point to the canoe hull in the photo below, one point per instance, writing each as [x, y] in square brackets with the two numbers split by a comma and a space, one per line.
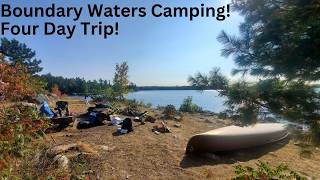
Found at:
[234, 138]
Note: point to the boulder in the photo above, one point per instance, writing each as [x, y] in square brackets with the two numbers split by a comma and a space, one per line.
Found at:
[62, 161]
[177, 118]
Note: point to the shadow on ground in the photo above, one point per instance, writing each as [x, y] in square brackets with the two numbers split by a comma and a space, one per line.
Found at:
[231, 157]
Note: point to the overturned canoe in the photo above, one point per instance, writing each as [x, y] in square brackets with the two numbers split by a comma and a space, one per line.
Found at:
[236, 137]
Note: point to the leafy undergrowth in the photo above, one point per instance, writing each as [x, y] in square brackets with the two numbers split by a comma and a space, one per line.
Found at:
[264, 171]
[136, 104]
[189, 106]
[20, 125]
[170, 110]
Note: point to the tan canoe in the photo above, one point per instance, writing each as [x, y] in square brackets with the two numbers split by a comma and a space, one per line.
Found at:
[236, 137]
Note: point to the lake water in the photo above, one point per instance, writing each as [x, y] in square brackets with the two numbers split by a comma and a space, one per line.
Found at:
[208, 100]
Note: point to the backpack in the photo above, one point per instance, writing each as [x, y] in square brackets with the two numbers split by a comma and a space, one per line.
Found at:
[127, 124]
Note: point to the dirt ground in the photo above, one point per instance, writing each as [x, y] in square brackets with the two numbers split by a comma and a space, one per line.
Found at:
[143, 154]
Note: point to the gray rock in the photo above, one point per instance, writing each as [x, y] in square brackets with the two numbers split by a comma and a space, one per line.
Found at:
[62, 161]
[177, 118]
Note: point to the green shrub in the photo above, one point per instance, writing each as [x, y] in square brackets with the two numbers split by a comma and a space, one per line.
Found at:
[188, 106]
[222, 115]
[149, 105]
[170, 110]
[135, 104]
[18, 125]
[116, 107]
[264, 171]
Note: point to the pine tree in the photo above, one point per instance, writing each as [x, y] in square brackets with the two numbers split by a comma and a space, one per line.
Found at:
[279, 42]
[18, 53]
[278, 39]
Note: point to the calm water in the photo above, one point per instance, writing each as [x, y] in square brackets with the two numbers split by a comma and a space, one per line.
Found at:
[208, 100]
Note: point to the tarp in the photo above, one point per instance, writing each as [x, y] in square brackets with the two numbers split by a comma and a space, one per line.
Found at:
[116, 121]
[45, 110]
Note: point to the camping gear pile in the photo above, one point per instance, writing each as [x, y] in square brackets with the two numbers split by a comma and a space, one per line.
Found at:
[62, 117]
[100, 114]
[45, 110]
[103, 114]
[222, 139]
[126, 126]
[62, 106]
[116, 121]
[96, 116]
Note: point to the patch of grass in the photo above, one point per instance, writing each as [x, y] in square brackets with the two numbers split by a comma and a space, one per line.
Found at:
[7, 174]
[79, 166]
[306, 154]
[265, 171]
[80, 169]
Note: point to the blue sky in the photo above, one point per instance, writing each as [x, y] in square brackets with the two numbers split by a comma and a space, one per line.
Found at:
[159, 51]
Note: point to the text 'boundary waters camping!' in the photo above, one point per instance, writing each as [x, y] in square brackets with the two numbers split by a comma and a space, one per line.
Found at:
[97, 14]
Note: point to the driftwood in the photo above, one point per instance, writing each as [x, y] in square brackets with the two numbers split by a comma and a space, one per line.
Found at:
[162, 127]
[77, 147]
[53, 139]
[167, 129]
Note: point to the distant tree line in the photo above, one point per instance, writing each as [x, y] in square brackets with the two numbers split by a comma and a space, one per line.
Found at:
[147, 88]
[77, 85]
[72, 86]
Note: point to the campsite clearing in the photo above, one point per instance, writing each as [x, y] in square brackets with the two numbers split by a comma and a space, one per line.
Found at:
[143, 153]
